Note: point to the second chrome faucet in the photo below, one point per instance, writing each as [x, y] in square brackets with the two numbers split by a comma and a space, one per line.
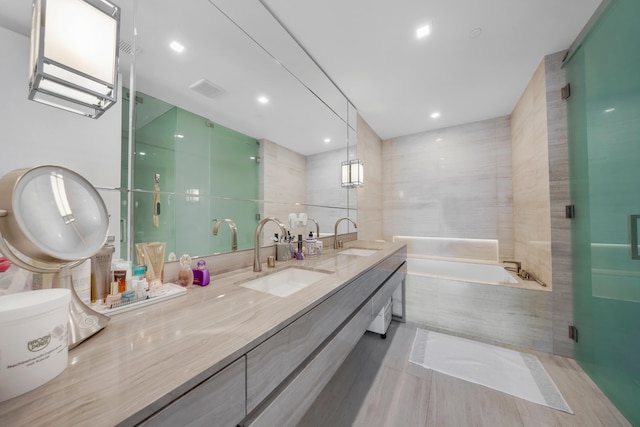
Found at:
[257, 264]
[336, 244]
[234, 231]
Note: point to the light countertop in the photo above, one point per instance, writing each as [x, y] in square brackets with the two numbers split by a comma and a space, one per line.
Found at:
[147, 357]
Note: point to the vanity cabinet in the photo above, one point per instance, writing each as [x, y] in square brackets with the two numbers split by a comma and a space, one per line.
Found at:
[287, 371]
[218, 401]
[383, 296]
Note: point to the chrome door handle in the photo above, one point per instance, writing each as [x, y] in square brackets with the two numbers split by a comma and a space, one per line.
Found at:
[123, 228]
[633, 236]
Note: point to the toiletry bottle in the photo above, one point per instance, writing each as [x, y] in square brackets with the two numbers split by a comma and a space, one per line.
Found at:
[201, 274]
[310, 244]
[185, 275]
[292, 250]
[120, 277]
[299, 255]
[101, 273]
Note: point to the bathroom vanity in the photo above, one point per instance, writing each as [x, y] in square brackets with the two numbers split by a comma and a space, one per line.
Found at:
[224, 354]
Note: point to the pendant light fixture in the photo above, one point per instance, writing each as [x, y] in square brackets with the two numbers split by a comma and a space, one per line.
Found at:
[352, 173]
[74, 55]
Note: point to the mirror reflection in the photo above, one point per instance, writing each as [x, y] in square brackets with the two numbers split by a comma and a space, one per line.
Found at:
[224, 128]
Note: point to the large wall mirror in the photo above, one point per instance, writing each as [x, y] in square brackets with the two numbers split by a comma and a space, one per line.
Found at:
[239, 124]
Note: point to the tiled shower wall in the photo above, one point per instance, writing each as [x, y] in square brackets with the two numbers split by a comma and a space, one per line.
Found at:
[530, 161]
[562, 295]
[452, 182]
[370, 196]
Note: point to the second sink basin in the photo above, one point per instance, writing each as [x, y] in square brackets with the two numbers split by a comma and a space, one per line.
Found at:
[285, 282]
[358, 252]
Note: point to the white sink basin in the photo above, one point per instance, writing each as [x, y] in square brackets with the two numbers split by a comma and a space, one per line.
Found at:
[285, 282]
[358, 252]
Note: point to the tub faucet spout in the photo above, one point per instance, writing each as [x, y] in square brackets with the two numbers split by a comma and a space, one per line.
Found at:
[517, 263]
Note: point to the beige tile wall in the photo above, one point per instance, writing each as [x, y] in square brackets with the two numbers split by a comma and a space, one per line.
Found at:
[453, 182]
[530, 162]
[324, 189]
[370, 196]
[282, 184]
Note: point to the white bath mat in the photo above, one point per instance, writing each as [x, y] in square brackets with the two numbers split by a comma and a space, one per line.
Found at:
[518, 374]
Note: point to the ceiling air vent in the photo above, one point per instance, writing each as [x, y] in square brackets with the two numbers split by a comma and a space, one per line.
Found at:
[127, 47]
[206, 88]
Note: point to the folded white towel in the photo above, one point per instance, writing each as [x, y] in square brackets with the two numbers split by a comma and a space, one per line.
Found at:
[293, 220]
[302, 219]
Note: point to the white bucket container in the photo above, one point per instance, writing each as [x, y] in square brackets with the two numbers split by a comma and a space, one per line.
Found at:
[34, 342]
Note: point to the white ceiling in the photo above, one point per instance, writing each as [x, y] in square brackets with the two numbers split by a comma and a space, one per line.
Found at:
[367, 48]
[395, 81]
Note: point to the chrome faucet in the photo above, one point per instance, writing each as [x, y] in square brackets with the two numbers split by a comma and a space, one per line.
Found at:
[317, 227]
[234, 231]
[257, 265]
[335, 230]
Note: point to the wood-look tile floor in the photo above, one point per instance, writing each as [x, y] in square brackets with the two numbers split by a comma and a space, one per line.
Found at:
[378, 386]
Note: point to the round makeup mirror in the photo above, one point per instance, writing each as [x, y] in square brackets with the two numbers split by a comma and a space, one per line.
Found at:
[52, 219]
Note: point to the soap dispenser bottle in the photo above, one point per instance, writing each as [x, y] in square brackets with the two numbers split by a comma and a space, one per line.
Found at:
[310, 244]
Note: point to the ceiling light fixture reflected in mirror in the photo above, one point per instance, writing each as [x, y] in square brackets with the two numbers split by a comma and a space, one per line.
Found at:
[263, 100]
[423, 31]
[176, 46]
[352, 173]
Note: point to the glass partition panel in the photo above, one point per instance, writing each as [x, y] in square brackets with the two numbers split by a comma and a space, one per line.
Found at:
[180, 158]
[603, 115]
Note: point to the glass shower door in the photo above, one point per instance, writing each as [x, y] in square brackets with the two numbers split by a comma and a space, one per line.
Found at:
[604, 143]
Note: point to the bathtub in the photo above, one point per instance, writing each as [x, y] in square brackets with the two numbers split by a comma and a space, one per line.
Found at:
[463, 271]
[466, 260]
[458, 286]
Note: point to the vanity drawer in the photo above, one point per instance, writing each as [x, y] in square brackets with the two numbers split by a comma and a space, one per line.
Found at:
[218, 401]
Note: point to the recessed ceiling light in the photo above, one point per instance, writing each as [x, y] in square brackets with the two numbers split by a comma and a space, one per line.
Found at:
[179, 136]
[176, 46]
[609, 110]
[423, 31]
[435, 115]
[263, 99]
[327, 140]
